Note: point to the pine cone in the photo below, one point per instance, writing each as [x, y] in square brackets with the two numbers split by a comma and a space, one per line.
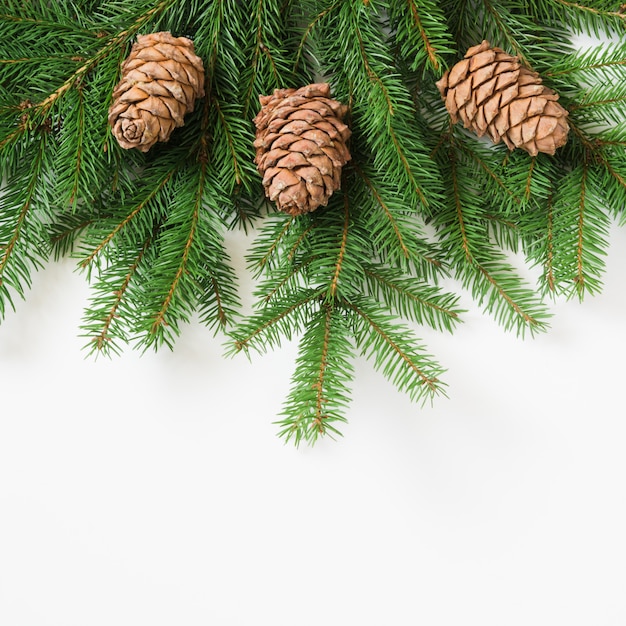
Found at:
[301, 147]
[161, 79]
[493, 93]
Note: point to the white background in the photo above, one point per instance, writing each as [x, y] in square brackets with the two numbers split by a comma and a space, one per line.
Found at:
[153, 489]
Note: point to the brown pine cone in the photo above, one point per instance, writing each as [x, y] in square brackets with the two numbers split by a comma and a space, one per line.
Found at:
[301, 147]
[493, 93]
[161, 79]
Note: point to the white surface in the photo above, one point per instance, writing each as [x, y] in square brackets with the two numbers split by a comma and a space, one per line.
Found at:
[153, 490]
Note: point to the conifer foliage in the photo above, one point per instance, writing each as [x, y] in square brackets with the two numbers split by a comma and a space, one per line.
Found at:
[421, 199]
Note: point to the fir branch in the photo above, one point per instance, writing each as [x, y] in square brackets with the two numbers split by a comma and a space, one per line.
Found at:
[265, 250]
[304, 40]
[591, 10]
[226, 133]
[394, 350]
[319, 392]
[548, 274]
[418, 16]
[229, 135]
[218, 300]
[267, 67]
[23, 241]
[279, 281]
[396, 233]
[104, 321]
[497, 14]
[393, 222]
[66, 228]
[332, 289]
[580, 233]
[151, 194]
[481, 268]
[163, 316]
[414, 300]
[278, 321]
[186, 261]
[600, 61]
[382, 110]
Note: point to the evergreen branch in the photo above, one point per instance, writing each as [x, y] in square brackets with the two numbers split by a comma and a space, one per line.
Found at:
[103, 341]
[393, 351]
[229, 138]
[47, 24]
[12, 136]
[482, 269]
[78, 152]
[377, 81]
[458, 207]
[420, 34]
[585, 67]
[22, 212]
[222, 317]
[332, 289]
[580, 231]
[226, 138]
[430, 49]
[528, 186]
[160, 317]
[549, 262]
[407, 168]
[65, 229]
[503, 293]
[582, 18]
[491, 173]
[621, 180]
[374, 78]
[319, 384]
[278, 285]
[39, 59]
[397, 235]
[579, 279]
[319, 391]
[299, 241]
[260, 330]
[383, 114]
[587, 9]
[266, 16]
[307, 32]
[508, 35]
[219, 300]
[495, 285]
[587, 103]
[270, 248]
[413, 300]
[388, 215]
[128, 218]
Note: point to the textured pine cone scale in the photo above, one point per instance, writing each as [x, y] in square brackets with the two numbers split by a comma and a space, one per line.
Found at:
[161, 79]
[301, 147]
[494, 94]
